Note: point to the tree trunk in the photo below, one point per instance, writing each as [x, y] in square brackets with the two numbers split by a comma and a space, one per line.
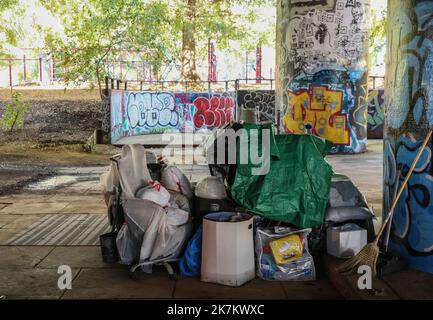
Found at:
[189, 69]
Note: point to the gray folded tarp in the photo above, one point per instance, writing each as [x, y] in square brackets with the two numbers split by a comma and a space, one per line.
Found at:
[162, 235]
[153, 234]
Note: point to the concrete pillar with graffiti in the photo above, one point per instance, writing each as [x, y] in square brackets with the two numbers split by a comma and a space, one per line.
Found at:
[322, 70]
[409, 115]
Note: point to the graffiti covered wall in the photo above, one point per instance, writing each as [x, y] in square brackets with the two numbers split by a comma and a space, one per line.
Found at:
[262, 101]
[376, 114]
[322, 70]
[409, 115]
[145, 112]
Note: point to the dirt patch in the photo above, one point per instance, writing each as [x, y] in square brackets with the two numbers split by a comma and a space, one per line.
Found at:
[57, 126]
[28, 153]
[56, 117]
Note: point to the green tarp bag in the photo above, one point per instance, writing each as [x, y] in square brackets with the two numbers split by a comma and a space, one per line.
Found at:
[296, 187]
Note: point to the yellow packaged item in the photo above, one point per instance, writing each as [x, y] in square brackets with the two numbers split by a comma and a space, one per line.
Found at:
[286, 249]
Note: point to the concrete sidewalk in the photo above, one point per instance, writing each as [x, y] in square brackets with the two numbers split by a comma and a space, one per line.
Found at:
[31, 272]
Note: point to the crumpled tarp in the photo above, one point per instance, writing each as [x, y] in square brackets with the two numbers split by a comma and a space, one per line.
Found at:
[296, 188]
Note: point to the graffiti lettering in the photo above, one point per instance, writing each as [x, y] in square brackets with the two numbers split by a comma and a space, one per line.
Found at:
[151, 109]
[263, 101]
[415, 206]
[136, 113]
[376, 114]
[409, 114]
[318, 109]
[325, 53]
[213, 112]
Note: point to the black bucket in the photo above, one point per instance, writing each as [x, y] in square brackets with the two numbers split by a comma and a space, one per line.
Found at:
[108, 247]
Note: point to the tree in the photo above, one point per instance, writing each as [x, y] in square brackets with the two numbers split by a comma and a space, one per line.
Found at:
[14, 112]
[221, 20]
[94, 29]
[377, 34]
[8, 31]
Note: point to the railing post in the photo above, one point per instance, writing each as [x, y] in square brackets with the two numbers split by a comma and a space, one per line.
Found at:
[54, 68]
[10, 73]
[40, 70]
[106, 85]
[25, 68]
[237, 84]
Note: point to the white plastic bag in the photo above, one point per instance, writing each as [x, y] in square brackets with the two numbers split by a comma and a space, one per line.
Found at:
[154, 192]
[301, 269]
[173, 179]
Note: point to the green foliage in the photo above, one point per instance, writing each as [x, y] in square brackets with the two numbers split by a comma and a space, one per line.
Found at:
[9, 31]
[94, 29]
[222, 21]
[14, 112]
[377, 35]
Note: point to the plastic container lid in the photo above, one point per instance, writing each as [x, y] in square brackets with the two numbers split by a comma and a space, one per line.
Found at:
[210, 188]
[225, 216]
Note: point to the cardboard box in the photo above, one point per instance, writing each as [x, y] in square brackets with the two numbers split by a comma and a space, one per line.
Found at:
[345, 241]
[227, 249]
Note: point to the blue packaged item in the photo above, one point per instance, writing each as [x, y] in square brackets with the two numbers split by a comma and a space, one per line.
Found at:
[190, 263]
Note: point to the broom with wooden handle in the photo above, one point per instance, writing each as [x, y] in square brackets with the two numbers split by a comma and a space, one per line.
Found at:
[369, 254]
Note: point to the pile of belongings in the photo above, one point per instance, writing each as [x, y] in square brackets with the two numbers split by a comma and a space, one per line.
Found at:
[287, 200]
[156, 222]
[348, 205]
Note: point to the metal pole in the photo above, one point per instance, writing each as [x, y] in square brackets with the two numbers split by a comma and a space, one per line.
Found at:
[106, 85]
[54, 68]
[209, 61]
[10, 73]
[246, 67]
[40, 69]
[259, 65]
[150, 71]
[25, 68]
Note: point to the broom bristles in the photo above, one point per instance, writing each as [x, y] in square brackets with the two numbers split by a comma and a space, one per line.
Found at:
[366, 257]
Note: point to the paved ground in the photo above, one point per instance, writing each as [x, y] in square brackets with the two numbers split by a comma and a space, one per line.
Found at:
[31, 272]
